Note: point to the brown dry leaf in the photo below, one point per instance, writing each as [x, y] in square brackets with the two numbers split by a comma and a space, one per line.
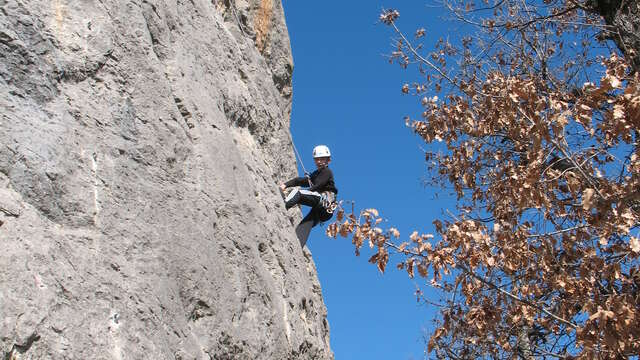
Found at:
[332, 230]
[403, 246]
[614, 81]
[588, 200]
[634, 244]
[382, 260]
[410, 263]
[491, 262]
[382, 265]
[602, 315]
[618, 112]
[372, 211]
[424, 247]
[344, 229]
[423, 270]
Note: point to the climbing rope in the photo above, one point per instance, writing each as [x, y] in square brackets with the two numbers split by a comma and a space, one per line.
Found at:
[299, 158]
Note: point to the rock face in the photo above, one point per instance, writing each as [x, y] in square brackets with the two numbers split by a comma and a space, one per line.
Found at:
[141, 143]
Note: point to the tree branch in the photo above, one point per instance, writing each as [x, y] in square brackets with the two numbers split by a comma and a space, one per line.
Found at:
[492, 286]
[518, 299]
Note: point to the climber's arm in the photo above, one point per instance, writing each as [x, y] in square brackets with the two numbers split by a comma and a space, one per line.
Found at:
[299, 181]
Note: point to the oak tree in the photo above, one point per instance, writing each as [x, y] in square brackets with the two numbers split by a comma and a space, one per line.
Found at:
[533, 118]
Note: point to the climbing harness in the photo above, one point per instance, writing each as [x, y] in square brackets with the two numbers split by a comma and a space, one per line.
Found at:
[328, 202]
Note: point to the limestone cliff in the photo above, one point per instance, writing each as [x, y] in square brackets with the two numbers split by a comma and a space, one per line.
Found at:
[141, 143]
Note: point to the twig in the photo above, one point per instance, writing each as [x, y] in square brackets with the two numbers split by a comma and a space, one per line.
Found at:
[422, 59]
[494, 287]
[567, 156]
[547, 353]
[516, 298]
[558, 232]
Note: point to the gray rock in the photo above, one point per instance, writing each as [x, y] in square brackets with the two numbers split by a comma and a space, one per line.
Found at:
[141, 144]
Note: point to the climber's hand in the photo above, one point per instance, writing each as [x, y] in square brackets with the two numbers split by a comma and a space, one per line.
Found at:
[283, 187]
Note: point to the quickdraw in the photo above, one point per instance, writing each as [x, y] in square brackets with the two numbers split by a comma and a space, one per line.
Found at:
[329, 202]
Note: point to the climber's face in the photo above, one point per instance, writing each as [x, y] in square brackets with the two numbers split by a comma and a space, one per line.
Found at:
[322, 162]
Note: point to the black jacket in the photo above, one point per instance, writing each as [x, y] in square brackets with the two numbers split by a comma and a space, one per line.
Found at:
[321, 180]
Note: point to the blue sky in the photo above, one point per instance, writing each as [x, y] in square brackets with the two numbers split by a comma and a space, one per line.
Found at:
[346, 95]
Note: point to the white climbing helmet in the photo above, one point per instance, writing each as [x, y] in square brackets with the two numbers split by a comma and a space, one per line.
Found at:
[321, 151]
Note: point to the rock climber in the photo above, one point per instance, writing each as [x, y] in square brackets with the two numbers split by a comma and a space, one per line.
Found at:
[320, 197]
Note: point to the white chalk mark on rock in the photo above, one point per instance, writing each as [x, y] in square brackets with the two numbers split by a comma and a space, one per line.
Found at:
[96, 205]
[114, 325]
[285, 319]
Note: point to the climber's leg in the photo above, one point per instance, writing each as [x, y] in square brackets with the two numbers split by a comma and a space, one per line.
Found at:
[304, 228]
[301, 196]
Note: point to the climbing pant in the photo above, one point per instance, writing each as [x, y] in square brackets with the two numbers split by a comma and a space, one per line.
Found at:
[303, 197]
[317, 214]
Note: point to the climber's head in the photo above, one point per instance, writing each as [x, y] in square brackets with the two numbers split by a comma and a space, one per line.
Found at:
[322, 156]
